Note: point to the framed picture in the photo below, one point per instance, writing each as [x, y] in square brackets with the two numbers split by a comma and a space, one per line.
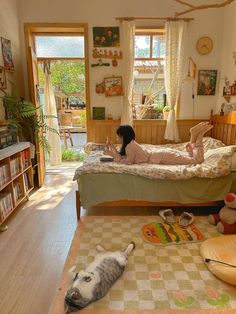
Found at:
[106, 37]
[7, 54]
[113, 86]
[206, 82]
[98, 113]
[3, 82]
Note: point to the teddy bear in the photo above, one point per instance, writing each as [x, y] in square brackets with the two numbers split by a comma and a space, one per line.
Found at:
[225, 220]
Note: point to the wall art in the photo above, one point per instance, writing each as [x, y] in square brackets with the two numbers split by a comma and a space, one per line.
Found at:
[7, 54]
[113, 86]
[3, 83]
[106, 37]
[207, 82]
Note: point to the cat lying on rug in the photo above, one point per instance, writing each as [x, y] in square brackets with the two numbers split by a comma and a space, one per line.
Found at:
[93, 283]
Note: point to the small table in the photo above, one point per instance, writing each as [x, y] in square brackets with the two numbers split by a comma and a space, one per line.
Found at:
[65, 131]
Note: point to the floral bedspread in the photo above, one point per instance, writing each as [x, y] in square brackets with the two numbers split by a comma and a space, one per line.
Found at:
[218, 158]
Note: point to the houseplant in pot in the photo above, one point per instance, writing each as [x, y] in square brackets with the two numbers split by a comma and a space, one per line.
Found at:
[165, 111]
[29, 120]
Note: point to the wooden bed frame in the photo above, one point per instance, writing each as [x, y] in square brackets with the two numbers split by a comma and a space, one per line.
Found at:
[224, 130]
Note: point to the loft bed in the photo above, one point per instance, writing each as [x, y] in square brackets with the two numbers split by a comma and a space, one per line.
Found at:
[115, 189]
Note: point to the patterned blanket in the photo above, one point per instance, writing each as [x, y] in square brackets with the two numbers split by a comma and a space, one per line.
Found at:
[218, 159]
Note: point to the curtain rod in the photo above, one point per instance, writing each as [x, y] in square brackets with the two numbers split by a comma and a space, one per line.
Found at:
[153, 18]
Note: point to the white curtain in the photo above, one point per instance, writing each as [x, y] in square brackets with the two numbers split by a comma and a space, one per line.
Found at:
[128, 37]
[51, 110]
[175, 35]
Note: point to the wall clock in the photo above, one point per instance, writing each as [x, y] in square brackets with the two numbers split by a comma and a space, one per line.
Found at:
[204, 45]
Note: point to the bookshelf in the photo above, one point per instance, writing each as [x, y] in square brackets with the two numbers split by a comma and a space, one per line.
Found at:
[16, 177]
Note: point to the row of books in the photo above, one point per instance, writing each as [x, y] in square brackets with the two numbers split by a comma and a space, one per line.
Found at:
[17, 190]
[4, 175]
[26, 181]
[25, 157]
[15, 166]
[6, 204]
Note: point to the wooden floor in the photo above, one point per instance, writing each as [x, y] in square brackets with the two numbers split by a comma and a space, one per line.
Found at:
[34, 248]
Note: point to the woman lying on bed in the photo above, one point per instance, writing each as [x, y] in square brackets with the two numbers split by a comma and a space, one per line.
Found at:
[133, 153]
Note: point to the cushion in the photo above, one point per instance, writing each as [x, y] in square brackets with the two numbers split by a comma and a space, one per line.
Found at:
[222, 249]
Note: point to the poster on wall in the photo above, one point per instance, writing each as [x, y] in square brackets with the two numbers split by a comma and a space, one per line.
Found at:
[3, 83]
[207, 82]
[106, 37]
[113, 86]
[7, 54]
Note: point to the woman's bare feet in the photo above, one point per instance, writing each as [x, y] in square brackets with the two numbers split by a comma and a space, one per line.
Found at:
[202, 132]
[195, 130]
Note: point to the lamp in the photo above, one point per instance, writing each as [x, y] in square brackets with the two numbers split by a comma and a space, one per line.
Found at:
[191, 78]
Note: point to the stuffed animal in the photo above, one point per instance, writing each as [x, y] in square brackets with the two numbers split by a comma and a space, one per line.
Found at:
[225, 221]
[93, 283]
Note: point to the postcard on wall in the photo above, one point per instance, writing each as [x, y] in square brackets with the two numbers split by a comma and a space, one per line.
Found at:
[207, 82]
[3, 83]
[113, 86]
[7, 54]
[106, 37]
[98, 113]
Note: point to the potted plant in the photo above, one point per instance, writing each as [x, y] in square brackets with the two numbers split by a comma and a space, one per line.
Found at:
[29, 120]
[165, 111]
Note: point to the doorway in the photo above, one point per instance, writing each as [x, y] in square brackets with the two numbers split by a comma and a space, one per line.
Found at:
[65, 48]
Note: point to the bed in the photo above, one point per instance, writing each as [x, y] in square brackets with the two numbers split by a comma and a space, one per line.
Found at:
[114, 188]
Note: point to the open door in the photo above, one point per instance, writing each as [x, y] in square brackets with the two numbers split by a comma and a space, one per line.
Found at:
[34, 95]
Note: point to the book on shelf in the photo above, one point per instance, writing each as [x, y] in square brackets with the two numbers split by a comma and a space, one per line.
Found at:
[15, 166]
[26, 181]
[4, 174]
[6, 204]
[25, 157]
[17, 191]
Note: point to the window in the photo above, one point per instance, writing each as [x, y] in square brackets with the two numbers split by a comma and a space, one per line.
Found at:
[56, 46]
[149, 90]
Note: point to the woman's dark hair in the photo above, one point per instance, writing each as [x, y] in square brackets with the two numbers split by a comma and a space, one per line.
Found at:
[127, 133]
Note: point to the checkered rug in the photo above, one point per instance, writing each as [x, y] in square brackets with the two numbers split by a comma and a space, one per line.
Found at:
[164, 278]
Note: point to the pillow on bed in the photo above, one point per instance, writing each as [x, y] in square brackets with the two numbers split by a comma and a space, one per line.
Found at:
[233, 164]
[211, 143]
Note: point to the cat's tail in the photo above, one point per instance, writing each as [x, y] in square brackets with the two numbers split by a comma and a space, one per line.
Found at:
[129, 248]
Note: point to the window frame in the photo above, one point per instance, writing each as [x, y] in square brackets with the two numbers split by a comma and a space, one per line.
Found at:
[151, 33]
[144, 31]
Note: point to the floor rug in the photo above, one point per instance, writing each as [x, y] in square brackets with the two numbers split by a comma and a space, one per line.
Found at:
[158, 279]
[164, 234]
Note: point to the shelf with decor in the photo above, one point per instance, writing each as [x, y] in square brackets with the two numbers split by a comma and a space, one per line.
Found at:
[16, 178]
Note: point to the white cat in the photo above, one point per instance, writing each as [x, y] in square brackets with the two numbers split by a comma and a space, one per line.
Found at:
[93, 283]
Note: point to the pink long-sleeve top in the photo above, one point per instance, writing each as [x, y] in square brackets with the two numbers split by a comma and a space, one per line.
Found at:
[135, 154]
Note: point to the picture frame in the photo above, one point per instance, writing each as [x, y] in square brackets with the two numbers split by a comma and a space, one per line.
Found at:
[106, 36]
[3, 81]
[207, 82]
[7, 54]
[98, 113]
[113, 86]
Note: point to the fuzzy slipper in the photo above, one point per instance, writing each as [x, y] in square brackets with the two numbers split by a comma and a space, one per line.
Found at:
[186, 219]
[167, 215]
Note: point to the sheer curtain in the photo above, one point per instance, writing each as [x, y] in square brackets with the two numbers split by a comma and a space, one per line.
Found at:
[52, 122]
[175, 34]
[128, 37]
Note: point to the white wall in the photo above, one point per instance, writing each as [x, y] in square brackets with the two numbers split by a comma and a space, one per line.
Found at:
[9, 28]
[103, 13]
[228, 66]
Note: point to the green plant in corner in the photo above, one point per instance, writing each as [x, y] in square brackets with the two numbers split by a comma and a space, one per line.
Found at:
[166, 109]
[28, 119]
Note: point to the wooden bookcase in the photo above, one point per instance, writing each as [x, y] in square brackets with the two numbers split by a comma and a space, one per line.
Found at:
[16, 177]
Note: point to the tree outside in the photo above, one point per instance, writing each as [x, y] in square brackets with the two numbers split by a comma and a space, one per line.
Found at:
[67, 77]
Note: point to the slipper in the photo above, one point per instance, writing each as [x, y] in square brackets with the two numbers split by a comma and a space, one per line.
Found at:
[167, 215]
[185, 219]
